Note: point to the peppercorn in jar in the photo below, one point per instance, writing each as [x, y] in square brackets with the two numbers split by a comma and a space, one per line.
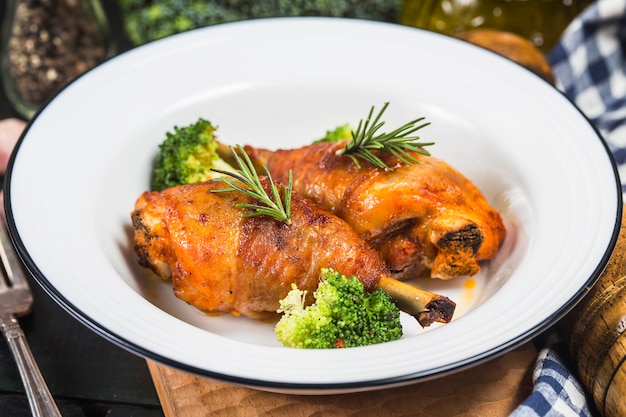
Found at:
[47, 44]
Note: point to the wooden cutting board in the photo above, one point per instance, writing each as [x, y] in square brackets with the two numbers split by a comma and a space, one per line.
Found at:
[491, 389]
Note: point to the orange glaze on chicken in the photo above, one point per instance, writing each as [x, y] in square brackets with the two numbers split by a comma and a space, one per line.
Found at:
[424, 219]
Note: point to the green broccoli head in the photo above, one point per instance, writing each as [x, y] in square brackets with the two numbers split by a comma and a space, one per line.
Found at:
[343, 132]
[147, 20]
[188, 155]
[342, 315]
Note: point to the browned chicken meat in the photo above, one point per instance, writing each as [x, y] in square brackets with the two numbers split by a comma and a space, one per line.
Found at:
[219, 261]
[424, 219]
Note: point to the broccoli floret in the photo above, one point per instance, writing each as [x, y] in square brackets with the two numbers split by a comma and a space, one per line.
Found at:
[187, 155]
[340, 133]
[342, 315]
[147, 20]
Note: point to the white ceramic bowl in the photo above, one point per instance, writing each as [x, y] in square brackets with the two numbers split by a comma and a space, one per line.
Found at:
[87, 156]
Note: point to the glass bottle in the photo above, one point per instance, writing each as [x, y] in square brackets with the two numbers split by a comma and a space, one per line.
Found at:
[48, 43]
[540, 21]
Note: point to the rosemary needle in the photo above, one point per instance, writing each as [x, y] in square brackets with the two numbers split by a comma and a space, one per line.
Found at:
[247, 181]
[366, 141]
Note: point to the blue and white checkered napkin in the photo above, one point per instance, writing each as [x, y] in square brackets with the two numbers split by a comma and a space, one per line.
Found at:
[556, 391]
[589, 65]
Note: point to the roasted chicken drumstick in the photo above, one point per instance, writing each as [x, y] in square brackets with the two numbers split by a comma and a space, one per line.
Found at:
[219, 261]
[423, 219]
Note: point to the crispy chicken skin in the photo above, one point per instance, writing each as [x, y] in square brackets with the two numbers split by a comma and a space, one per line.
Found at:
[219, 261]
[424, 219]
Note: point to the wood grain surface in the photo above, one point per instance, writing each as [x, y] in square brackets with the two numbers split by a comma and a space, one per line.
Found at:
[491, 389]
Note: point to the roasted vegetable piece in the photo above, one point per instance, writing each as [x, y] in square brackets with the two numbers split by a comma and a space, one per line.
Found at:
[187, 155]
[147, 20]
[342, 315]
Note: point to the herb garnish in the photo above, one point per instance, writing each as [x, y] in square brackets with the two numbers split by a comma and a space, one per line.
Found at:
[398, 142]
[246, 180]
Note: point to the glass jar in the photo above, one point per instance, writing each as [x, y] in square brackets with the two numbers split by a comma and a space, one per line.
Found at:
[48, 43]
[540, 21]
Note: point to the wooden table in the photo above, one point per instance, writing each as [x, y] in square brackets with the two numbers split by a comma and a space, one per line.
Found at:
[491, 389]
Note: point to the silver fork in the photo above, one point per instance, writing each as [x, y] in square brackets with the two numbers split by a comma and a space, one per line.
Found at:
[16, 299]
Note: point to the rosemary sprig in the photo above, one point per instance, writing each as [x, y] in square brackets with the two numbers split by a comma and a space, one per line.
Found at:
[366, 140]
[246, 180]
